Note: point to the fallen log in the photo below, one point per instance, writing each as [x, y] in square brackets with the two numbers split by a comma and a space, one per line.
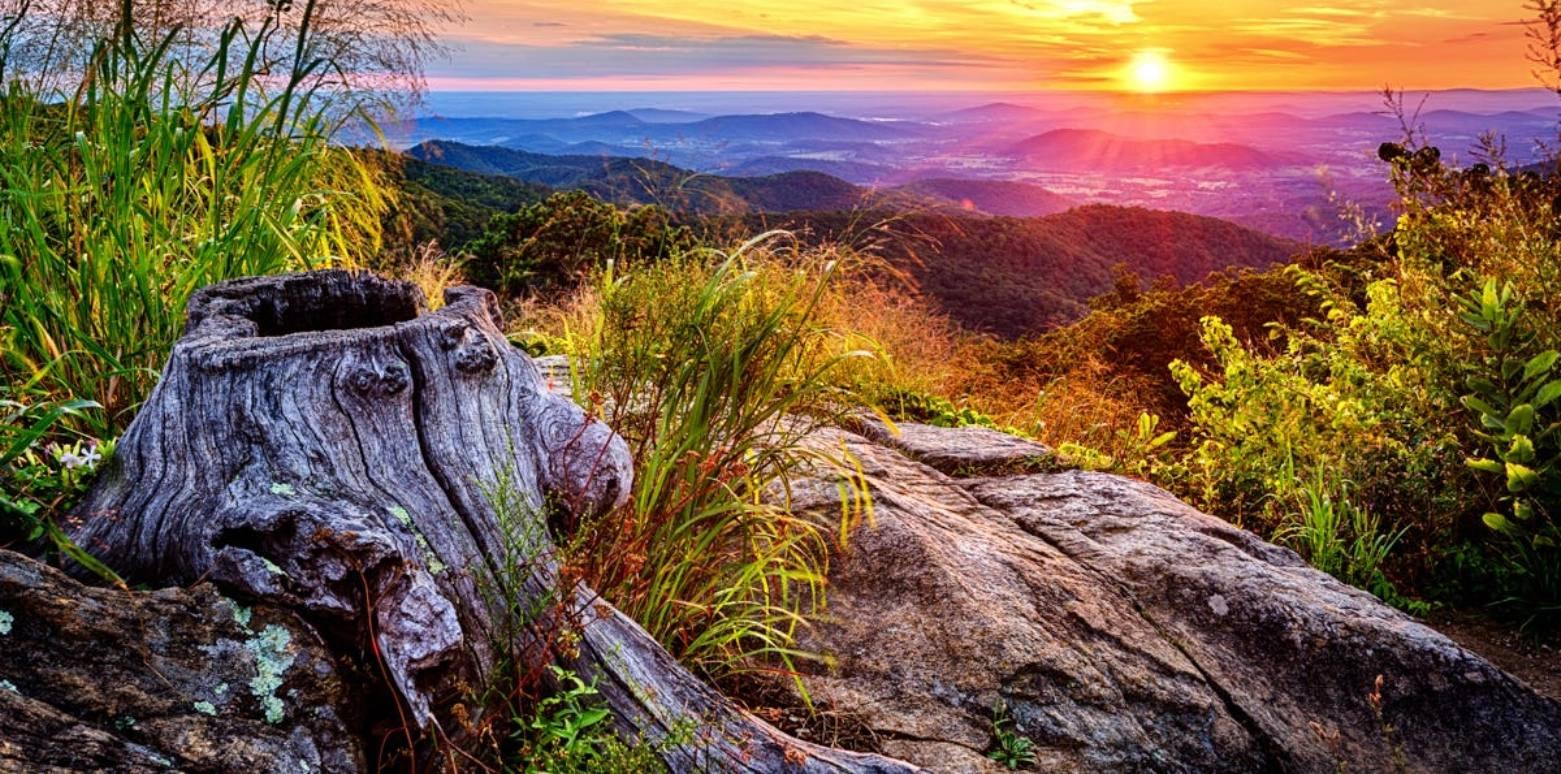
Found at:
[321, 442]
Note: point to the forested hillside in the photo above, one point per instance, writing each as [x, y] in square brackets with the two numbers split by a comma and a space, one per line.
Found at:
[449, 205]
[647, 181]
[1019, 276]
[1011, 276]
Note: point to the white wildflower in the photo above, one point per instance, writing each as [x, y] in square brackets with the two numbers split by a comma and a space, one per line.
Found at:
[76, 457]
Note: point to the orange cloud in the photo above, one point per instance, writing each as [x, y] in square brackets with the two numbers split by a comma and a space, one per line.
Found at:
[985, 44]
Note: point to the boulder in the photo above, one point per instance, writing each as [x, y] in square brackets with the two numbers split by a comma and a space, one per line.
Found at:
[1126, 631]
[95, 679]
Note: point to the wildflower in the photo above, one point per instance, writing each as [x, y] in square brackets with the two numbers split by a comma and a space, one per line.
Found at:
[77, 458]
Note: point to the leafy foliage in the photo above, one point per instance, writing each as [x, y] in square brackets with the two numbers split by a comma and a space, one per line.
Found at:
[1143, 450]
[562, 239]
[933, 410]
[1515, 399]
[38, 480]
[1009, 748]
[569, 732]
[1429, 350]
[447, 205]
[1341, 539]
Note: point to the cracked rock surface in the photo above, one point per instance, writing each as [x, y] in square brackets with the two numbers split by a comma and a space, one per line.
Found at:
[95, 679]
[1126, 631]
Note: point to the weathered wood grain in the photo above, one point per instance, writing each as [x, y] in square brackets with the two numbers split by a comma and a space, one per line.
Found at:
[322, 442]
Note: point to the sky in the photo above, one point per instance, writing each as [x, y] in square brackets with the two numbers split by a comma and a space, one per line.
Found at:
[985, 45]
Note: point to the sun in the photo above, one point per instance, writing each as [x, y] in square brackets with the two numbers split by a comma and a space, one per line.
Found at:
[1149, 71]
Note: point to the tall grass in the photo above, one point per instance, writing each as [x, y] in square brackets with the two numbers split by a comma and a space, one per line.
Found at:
[1339, 537]
[148, 177]
[716, 367]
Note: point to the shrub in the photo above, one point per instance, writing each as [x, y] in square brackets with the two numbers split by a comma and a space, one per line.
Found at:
[1417, 363]
[557, 242]
[1362, 393]
[1515, 398]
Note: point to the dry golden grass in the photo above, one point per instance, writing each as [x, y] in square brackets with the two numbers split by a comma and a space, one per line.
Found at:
[432, 271]
[1054, 388]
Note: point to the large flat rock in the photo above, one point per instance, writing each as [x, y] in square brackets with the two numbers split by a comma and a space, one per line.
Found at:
[1126, 631]
[958, 451]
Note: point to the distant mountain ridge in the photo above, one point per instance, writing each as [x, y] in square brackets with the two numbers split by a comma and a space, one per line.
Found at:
[646, 181]
[624, 127]
[787, 126]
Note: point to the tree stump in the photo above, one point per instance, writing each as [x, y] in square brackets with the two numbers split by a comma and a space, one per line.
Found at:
[322, 442]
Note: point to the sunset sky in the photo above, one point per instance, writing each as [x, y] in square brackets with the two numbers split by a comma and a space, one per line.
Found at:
[992, 45]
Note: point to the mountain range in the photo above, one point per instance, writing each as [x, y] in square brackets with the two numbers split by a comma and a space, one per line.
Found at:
[646, 181]
[1005, 258]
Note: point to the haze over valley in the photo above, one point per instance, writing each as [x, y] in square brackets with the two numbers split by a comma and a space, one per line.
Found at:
[1285, 164]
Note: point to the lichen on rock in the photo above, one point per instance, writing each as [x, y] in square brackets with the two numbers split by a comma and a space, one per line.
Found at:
[104, 679]
[271, 649]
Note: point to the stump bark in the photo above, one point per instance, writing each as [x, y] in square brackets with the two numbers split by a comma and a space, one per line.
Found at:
[323, 442]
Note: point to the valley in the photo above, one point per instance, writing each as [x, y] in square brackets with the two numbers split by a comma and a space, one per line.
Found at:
[1292, 167]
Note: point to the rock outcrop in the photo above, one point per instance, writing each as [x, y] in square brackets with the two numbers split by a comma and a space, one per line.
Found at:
[1125, 631]
[1121, 629]
[95, 679]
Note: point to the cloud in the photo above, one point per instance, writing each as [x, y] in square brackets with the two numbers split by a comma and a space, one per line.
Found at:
[1112, 12]
[1001, 43]
[1120, 12]
[1311, 30]
[1277, 53]
[1325, 11]
[645, 54]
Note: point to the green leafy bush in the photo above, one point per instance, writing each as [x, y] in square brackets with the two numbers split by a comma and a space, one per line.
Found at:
[1423, 389]
[1358, 393]
[570, 732]
[562, 239]
[1516, 401]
